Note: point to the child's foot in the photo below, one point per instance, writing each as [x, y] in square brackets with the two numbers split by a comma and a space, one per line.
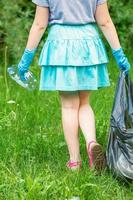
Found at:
[74, 165]
[96, 156]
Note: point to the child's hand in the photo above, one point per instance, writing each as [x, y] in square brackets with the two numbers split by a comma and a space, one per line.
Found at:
[121, 60]
[25, 62]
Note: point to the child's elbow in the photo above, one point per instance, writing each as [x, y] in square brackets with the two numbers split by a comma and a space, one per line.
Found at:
[104, 22]
[41, 26]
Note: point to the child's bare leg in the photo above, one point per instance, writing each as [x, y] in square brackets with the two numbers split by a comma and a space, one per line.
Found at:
[70, 107]
[87, 124]
[86, 117]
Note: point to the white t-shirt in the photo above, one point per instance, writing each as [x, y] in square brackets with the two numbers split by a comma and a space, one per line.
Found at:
[70, 11]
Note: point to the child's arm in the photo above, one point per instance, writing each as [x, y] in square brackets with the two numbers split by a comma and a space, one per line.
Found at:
[38, 27]
[106, 25]
[36, 32]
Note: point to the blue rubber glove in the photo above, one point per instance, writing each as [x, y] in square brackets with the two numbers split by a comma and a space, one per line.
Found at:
[25, 62]
[121, 60]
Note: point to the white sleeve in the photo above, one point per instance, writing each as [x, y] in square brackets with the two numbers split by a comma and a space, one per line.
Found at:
[101, 2]
[43, 3]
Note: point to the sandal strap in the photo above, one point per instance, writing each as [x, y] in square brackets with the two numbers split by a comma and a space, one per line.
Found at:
[90, 152]
[71, 164]
[89, 144]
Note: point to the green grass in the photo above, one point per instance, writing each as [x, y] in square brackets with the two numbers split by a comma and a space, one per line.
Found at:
[33, 152]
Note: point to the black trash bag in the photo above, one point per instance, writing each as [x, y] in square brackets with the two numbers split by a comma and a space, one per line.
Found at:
[119, 153]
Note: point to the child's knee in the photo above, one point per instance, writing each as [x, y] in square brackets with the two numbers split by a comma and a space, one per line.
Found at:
[70, 100]
[84, 97]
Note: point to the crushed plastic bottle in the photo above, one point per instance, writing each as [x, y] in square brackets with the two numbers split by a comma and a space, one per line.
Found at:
[30, 82]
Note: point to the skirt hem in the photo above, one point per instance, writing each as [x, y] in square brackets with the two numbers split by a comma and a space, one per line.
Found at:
[72, 65]
[70, 89]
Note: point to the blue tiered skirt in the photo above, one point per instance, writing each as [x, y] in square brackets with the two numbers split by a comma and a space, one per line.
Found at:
[73, 58]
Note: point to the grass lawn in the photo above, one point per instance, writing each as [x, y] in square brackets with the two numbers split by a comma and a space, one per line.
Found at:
[33, 152]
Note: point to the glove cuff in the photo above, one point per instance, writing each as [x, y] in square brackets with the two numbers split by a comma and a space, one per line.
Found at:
[30, 51]
[118, 54]
[114, 51]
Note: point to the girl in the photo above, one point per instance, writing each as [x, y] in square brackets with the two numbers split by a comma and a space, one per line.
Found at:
[74, 62]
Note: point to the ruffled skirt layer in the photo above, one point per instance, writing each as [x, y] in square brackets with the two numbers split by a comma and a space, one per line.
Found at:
[72, 78]
[73, 58]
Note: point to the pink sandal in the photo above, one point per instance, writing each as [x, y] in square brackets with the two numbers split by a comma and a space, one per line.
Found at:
[96, 156]
[74, 165]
